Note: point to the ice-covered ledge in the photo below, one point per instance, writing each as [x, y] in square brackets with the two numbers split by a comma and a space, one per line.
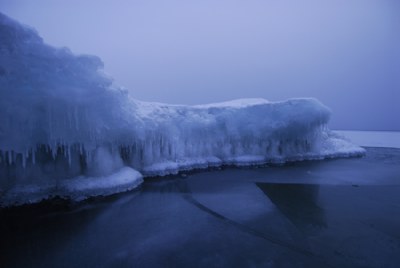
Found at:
[66, 129]
[172, 139]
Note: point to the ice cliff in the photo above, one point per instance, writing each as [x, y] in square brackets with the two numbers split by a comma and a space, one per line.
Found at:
[66, 129]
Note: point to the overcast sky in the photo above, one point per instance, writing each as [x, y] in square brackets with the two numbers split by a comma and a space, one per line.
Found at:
[346, 53]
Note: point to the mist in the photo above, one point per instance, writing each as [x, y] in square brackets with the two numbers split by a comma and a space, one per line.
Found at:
[344, 53]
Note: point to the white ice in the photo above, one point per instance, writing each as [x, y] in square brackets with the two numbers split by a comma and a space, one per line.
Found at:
[64, 123]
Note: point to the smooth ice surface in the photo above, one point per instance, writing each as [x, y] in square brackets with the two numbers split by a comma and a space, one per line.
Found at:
[372, 138]
[331, 213]
[62, 118]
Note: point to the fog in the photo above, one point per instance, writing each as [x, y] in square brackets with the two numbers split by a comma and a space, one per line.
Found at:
[346, 53]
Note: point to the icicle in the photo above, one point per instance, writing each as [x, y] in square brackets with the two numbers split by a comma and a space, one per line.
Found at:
[69, 156]
[34, 156]
[9, 157]
[64, 150]
[88, 155]
[53, 151]
[24, 154]
[76, 118]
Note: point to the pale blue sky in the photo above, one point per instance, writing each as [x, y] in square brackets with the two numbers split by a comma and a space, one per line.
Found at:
[344, 52]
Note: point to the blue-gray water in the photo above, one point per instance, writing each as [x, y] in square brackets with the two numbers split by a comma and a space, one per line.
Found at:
[332, 213]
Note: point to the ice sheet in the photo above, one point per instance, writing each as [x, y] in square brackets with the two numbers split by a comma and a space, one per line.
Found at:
[373, 138]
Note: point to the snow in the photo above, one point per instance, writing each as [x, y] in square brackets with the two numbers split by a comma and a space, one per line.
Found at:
[373, 138]
[240, 103]
[63, 122]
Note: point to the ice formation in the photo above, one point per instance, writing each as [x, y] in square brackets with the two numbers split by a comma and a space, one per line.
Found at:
[66, 129]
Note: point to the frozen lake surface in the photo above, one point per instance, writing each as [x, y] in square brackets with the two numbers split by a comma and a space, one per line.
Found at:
[331, 213]
[373, 138]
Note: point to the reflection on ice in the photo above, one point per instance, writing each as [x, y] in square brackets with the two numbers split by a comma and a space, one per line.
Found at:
[298, 202]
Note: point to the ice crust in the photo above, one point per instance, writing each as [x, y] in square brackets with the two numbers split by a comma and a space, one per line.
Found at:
[66, 129]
